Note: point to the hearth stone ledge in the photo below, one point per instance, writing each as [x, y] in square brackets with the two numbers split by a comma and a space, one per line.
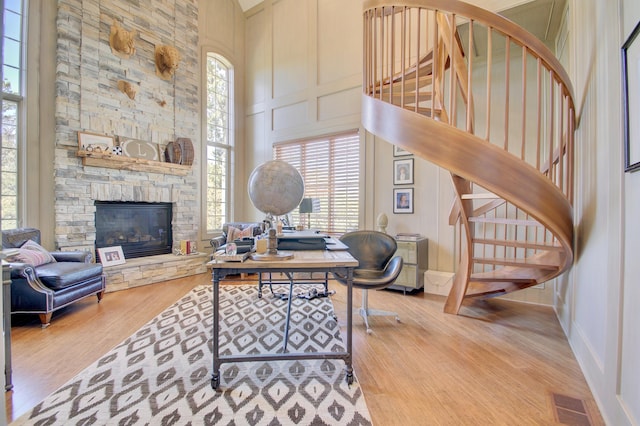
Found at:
[153, 269]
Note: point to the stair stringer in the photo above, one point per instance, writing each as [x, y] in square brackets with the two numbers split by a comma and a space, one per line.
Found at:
[474, 159]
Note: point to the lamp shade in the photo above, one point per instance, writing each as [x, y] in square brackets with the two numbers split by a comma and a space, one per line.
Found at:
[310, 205]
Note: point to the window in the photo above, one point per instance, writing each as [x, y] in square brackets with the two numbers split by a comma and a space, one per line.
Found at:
[12, 110]
[330, 168]
[219, 140]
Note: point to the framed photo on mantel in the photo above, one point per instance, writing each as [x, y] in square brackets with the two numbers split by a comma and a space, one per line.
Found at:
[110, 256]
[93, 142]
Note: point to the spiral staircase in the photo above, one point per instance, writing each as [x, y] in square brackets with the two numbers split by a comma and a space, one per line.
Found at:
[479, 96]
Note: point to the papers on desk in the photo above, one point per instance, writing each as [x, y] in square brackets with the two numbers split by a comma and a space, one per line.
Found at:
[224, 257]
[335, 244]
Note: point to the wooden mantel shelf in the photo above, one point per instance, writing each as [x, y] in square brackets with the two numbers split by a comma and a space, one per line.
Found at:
[121, 162]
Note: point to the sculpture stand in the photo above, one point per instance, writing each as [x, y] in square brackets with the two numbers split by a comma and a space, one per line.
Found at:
[272, 250]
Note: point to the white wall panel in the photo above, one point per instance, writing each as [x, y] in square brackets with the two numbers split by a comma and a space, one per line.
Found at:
[218, 25]
[290, 46]
[339, 104]
[597, 306]
[336, 27]
[259, 153]
[630, 346]
[256, 59]
[290, 116]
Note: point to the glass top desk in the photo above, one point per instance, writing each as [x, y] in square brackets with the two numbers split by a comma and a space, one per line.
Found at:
[303, 261]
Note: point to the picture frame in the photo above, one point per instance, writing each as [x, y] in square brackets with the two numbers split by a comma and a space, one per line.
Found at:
[403, 200]
[110, 256]
[399, 152]
[403, 172]
[631, 96]
[94, 142]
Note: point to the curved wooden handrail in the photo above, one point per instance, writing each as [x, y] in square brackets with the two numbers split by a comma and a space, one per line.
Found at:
[464, 155]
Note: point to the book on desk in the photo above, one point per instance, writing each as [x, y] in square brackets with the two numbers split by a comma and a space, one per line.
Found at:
[308, 240]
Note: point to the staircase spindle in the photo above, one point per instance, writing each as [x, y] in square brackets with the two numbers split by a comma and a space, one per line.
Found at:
[507, 69]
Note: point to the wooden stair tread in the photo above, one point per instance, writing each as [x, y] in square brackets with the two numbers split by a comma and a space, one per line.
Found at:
[518, 244]
[506, 274]
[410, 97]
[480, 196]
[505, 221]
[409, 84]
[481, 289]
[528, 262]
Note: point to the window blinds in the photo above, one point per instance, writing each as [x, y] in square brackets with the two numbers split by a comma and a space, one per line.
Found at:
[330, 167]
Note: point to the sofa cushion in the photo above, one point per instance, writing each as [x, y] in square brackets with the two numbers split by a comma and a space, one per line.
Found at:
[234, 233]
[59, 275]
[32, 253]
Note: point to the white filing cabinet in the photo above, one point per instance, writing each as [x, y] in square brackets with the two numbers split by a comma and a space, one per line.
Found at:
[415, 262]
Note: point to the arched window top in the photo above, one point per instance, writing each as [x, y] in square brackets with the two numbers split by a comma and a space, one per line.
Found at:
[219, 99]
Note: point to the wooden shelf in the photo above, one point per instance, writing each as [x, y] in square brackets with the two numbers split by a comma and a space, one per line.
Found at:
[120, 162]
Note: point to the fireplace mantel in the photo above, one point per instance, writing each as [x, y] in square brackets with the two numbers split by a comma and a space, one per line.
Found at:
[121, 162]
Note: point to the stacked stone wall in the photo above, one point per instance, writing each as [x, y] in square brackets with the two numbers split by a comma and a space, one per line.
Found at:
[88, 100]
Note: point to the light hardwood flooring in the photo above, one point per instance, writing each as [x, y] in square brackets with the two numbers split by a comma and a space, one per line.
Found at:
[498, 363]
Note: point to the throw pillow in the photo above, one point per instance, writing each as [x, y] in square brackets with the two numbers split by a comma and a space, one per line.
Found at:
[234, 233]
[33, 254]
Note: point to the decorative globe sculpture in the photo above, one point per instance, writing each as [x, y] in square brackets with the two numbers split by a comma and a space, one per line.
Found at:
[276, 187]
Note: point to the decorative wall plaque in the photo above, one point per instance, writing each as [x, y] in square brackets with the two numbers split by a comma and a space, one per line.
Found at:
[140, 149]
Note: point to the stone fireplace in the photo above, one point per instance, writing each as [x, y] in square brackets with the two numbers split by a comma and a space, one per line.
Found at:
[88, 100]
[87, 187]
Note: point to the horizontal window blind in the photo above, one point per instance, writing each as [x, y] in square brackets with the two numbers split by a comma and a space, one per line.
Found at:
[330, 168]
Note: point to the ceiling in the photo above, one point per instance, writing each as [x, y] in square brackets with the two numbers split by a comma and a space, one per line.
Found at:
[248, 4]
[541, 18]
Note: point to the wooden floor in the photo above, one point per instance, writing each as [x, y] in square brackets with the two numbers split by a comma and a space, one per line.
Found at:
[498, 363]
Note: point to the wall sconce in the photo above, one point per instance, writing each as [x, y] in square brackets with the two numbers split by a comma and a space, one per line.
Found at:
[308, 206]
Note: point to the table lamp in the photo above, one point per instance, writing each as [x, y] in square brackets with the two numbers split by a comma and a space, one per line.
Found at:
[308, 206]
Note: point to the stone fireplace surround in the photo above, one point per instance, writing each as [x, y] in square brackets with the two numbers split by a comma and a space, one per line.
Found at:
[87, 99]
[76, 208]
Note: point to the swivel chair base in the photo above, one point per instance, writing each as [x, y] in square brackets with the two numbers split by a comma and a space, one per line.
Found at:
[365, 312]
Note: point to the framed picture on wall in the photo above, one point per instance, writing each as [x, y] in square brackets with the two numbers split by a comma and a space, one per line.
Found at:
[110, 256]
[403, 200]
[631, 87]
[399, 152]
[403, 172]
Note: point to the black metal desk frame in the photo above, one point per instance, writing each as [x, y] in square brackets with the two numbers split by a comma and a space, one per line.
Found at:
[220, 271]
[275, 281]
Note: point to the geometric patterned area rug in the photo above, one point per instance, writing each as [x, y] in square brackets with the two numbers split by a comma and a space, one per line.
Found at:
[161, 375]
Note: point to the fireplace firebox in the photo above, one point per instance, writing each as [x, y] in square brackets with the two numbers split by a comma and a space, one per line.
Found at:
[141, 229]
